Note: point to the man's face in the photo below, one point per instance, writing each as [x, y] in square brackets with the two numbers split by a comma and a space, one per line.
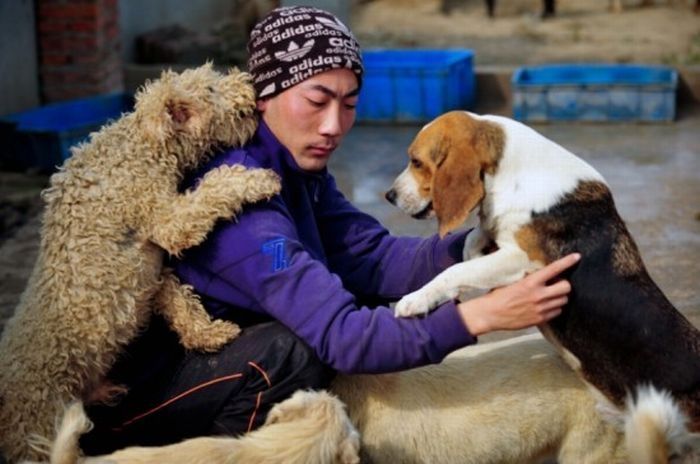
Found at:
[311, 118]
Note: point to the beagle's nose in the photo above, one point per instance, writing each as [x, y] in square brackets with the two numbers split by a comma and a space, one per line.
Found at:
[391, 196]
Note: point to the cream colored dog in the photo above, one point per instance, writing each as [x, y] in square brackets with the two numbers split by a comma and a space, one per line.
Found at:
[308, 428]
[513, 401]
[110, 212]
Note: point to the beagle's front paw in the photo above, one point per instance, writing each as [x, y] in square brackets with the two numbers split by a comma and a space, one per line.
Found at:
[415, 304]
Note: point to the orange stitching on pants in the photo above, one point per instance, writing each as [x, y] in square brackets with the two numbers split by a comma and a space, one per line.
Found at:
[262, 371]
[259, 398]
[255, 411]
[180, 396]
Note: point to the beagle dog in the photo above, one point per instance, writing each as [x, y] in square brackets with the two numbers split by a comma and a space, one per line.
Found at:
[538, 202]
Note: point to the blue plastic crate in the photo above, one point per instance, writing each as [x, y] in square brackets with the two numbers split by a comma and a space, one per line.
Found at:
[415, 85]
[595, 92]
[41, 138]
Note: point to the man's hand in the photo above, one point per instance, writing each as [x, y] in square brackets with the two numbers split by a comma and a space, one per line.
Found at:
[530, 301]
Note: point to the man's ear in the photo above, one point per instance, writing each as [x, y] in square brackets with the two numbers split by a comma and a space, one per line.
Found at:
[262, 105]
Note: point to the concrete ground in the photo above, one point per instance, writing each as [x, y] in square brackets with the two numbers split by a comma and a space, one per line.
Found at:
[653, 170]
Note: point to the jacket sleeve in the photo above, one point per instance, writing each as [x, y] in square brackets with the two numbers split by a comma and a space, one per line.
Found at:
[259, 264]
[373, 263]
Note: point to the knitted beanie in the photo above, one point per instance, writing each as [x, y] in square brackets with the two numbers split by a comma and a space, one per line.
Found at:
[294, 43]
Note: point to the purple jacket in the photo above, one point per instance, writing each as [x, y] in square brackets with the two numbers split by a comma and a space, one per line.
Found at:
[308, 257]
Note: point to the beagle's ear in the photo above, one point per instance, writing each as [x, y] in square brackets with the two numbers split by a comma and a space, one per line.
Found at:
[471, 149]
[457, 184]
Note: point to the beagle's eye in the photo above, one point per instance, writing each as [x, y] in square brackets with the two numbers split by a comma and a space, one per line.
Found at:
[416, 163]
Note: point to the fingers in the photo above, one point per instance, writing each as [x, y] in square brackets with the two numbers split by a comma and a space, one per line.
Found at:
[555, 268]
[549, 315]
[554, 304]
[557, 289]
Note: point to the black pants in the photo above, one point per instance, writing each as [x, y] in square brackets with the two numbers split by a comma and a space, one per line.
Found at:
[186, 394]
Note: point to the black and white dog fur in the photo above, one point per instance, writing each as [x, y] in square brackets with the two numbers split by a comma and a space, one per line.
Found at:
[538, 202]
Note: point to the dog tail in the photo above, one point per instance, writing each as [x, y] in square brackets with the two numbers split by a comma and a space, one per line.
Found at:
[656, 431]
[65, 448]
[310, 428]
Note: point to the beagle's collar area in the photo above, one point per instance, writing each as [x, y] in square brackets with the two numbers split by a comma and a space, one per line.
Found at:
[425, 212]
[539, 202]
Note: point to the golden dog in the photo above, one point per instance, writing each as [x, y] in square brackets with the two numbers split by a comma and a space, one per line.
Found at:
[308, 428]
[513, 401]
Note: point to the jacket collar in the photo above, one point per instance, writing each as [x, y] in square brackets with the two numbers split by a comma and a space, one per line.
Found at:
[271, 153]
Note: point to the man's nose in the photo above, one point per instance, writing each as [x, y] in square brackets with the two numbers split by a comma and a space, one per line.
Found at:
[330, 125]
[391, 196]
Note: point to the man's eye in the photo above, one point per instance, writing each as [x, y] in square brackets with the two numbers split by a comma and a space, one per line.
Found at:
[315, 103]
[416, 163]
[350, 107]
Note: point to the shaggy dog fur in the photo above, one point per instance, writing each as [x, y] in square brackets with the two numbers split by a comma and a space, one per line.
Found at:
[110, 212]
[308, 428]
[513, 401]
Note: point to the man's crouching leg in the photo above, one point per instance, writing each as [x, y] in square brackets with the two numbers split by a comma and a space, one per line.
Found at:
[280, 364]
[188, 394]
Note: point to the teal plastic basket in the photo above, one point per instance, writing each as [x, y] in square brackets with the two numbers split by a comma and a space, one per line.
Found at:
[595, 92]
[41, 138]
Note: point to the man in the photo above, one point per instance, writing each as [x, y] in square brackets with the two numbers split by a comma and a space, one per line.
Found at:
[298, 272]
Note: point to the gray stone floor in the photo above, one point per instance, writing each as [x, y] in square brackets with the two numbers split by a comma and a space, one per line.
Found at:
[654, 172]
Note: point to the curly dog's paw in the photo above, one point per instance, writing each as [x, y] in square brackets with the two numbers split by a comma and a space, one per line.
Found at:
[210, 338]
[231, 187]
[262, 184]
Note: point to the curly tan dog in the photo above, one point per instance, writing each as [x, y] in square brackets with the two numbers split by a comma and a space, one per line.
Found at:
[110, 212]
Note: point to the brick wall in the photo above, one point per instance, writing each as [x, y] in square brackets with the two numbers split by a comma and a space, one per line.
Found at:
[79, 48]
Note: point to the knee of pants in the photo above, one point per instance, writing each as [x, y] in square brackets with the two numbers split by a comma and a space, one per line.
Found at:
[282, 364]
[291, 360]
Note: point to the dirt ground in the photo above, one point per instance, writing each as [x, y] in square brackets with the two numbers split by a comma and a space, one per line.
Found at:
[667, 32]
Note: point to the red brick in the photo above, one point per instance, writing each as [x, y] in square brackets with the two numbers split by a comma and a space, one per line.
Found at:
[85, 58]
[61, 76]
[51, 44]
[82, 26]
[68, 10]
[84, 43]
[52, 25]
[48, 9]
[55, 60]
[111, 32]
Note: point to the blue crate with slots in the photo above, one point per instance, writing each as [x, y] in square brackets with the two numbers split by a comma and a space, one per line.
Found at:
[411, 86]
[41, 138]
[595, 92]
